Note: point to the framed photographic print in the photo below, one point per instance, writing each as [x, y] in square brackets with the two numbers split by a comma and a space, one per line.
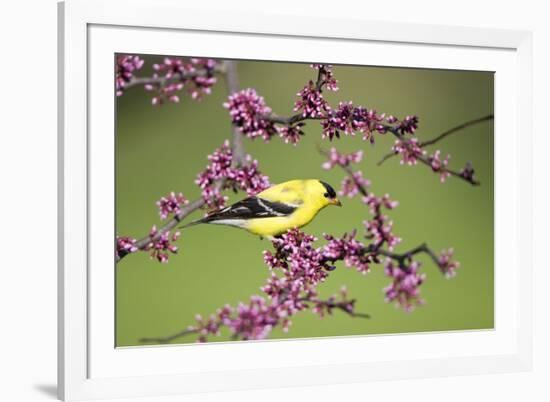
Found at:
[240, 201]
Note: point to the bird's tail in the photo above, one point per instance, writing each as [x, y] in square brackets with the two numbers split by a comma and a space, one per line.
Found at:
[193, 223]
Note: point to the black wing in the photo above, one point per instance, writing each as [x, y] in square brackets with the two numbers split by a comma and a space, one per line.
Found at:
[252, 207]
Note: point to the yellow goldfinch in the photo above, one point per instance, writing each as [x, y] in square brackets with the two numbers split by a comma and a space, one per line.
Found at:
[273, 211]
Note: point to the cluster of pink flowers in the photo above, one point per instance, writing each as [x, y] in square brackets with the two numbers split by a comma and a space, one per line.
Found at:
[406, 280]
[291, 134]
[367, 121]
[125, 67]
[176, 73]
[348, 249]
[350, 120]
[253, 320]
[125, 245]
[218, 169]
[353, 185]
[335, 158]
[221, 169]
[159, 248]
[202, 83]
[341, 301]
[347, 118]
[439, 165]
[248, 111]
[302, 265]
[380, 228]
[409, 150]
[338, 120]
[247, 178]
[406, 126]
[250, 114]
[446, 264]
[171, 204]
[311, 103]
[327, 76]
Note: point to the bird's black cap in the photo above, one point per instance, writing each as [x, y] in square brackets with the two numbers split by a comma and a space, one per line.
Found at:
[330, 191]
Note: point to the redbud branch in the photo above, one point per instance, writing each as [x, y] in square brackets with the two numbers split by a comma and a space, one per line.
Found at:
[343, 306]
[455, 129]
[232, 80]
[426, 161]
[386, 157]
[454, 173]
[172, 223]
[442, 135]
[168, 339]
[401, 258]
[135, 81]
[299, 117]
[329, 304]
[290, 120]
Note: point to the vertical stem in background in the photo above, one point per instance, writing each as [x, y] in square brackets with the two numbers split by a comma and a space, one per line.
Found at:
[232, 83]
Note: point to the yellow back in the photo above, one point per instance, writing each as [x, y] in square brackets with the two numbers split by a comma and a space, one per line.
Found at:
[296, 192]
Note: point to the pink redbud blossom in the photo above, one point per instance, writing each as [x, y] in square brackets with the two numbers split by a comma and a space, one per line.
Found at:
[247, 110]
[439, 165]
[337, 159]
[125, 245]
[380, 229]
[311, 102]
[404, 289]
[349, 250]
[159, 248]
[353, 185]
[446, 264]
[125, 67]
[291, 134]
[175, 74]
[409, 150]
[349, 120]
[171, 204]
[246, 177]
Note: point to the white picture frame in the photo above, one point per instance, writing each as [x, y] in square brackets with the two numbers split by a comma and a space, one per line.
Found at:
[89, 365]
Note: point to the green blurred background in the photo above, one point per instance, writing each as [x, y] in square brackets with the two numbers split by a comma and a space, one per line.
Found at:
[161, 149]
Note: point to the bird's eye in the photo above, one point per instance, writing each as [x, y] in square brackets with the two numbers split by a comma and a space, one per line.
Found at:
[326, 195]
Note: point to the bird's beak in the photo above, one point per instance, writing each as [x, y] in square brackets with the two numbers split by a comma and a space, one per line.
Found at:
[335, 201]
